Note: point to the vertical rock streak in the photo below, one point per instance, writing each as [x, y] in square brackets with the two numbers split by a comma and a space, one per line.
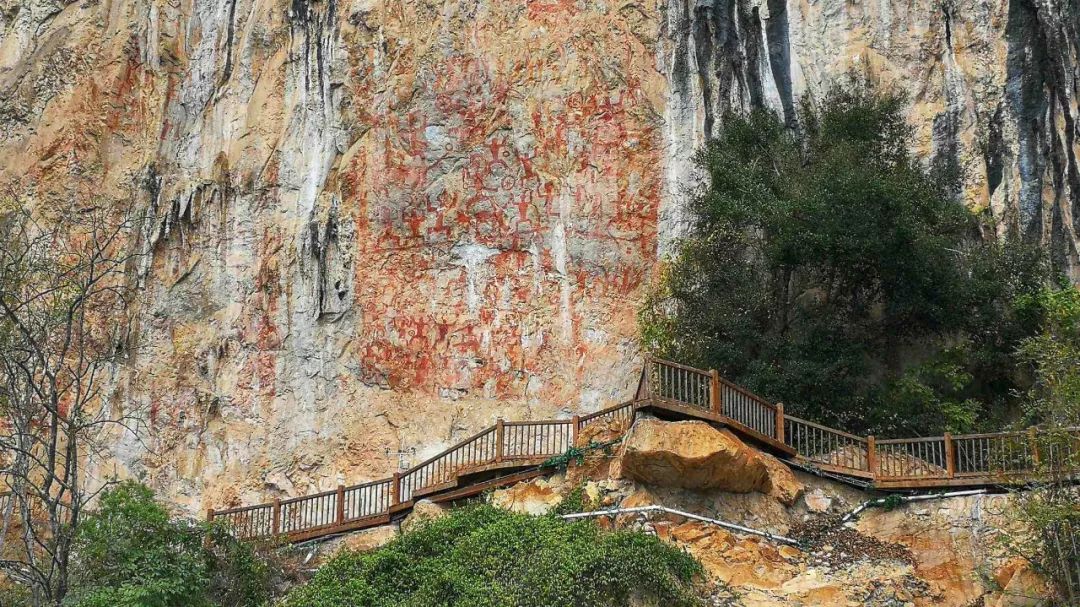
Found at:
[993, 91]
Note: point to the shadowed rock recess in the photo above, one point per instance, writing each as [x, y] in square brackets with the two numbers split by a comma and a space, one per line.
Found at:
[373, 226]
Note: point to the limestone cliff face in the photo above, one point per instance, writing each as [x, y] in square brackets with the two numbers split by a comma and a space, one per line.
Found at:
[378, 224]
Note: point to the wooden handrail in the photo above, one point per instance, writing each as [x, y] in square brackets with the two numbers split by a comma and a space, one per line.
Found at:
[602, 412]
[439, 455]
[240, 509]
[804, 422]
[309, 496]
[920, 439]
[450, 464]
[671, 363]
[747, 393]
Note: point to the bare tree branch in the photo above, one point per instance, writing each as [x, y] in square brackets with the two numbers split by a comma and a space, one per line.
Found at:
[66, 302]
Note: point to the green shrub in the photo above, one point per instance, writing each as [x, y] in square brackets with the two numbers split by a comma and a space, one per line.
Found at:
[575, 501]
[482, 556]
[1054, 357]
[13, 595]
[1051, 506]
[131, 553]
[828, 269]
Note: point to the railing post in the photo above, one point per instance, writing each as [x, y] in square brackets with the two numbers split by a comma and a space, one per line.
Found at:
[210, 515]
[275, 518]
[395, 490]
[950, 456]
[576, 421]
[499, 440]
[647, 378]
[340, 504]
[871, 456]
[714, 391]
[780, 422]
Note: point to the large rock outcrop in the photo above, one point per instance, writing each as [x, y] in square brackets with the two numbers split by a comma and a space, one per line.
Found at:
[695, 455]
[947, 552]
[372, 226]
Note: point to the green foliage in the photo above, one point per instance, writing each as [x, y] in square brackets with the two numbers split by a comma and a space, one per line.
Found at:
[892, 502]
[575, 501]
[131, 553]
[1051, 508]
[577, 454]
[934, 387]
[485, 556]
[1054, 355]
[13, 595]
[828, 269]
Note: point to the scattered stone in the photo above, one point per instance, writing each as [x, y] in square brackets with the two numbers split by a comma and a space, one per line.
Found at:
[820, 535]
[790, 552]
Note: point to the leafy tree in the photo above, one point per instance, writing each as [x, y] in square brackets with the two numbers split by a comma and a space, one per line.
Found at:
[484, 556]
[828, 269]
[1054, 356]
[131, 553]
[1051, 508]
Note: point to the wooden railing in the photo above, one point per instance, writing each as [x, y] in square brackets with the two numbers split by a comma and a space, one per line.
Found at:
[623, 413]
[975, 459]
[913, 458]
[830, 449]
[504, 445]
[668, 381]
[748, 409]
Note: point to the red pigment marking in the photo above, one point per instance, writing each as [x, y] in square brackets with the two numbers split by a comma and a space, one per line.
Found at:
[415, 199]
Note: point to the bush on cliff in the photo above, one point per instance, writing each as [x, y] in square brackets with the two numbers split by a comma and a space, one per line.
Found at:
[484, 556]
[827, 268]
[131, 553]
[1051, 505]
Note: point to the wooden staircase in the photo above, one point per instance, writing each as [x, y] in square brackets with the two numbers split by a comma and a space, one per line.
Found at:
[510, 452]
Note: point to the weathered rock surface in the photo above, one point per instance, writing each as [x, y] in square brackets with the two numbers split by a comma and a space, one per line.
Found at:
[694, 455]
[360, 541]
[424, 511]
[597, 463]
[373, 226]
[537, 497]
[957, 543]
[944, 552]
[817, 501]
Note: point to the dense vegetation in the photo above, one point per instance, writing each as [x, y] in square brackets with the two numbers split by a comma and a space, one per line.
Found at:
[131, 553]
[485, 556]
[830, 270]
[1051, 506]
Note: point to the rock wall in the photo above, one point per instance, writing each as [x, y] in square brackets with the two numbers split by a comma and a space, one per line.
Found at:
[951, 551]
[375, 225]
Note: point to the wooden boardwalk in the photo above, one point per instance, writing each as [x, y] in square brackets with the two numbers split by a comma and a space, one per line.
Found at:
[510, 452]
